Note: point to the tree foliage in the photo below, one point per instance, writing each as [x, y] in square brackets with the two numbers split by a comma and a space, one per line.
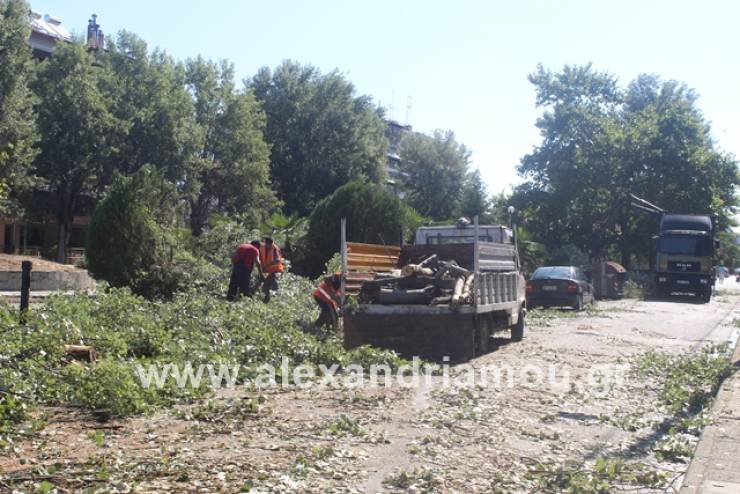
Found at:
[435, 169]
[150, 99]
[126, 238]
[600, 143]
[374, 215]
[78, 130]
[322, 133]
[234, 157]
[475, 200]
[132, 240]
[17, 119]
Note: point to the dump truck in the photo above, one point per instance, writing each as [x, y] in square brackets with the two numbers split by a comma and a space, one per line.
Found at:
[685, 251]
[443, 296]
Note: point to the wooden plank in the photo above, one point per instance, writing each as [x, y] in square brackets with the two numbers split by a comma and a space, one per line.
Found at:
[360, 248]
[371, 269]
[353, 259]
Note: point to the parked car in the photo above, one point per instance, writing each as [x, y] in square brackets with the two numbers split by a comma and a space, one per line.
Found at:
[559, 286]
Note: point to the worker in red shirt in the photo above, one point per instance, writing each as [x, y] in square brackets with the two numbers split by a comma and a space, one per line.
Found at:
[243, 262]
[328, 296]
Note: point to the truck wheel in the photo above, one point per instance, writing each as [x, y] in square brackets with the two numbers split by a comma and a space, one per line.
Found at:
[482, 334]
[517, 330]
[706, 295]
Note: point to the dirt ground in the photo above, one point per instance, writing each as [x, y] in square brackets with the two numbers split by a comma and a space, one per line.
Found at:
[10, 262]
[440, 436]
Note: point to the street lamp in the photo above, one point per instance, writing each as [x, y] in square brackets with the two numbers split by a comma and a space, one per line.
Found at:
[511, 210]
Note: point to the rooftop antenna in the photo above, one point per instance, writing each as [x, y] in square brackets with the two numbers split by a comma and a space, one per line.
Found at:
[409, 99]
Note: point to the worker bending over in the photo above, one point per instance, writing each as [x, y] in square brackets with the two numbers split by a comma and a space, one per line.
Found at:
[328, 296]
[243, 262]
[271, 260]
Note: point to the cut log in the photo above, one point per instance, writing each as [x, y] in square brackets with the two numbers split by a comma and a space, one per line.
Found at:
[416, 270]
[81, 352]
[416, 282]
[441, 300]
[467, 289]
[457, 291]
[402, 297]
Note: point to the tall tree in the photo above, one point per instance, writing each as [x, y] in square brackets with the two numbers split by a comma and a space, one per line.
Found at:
[475, 200]
[152, 102]
[322, 134]
[77, 130]
[234, 157]
[17, 119]
[600, 143]
[435, 169]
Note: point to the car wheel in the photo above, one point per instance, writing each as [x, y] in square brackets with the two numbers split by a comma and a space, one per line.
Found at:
[579, 303]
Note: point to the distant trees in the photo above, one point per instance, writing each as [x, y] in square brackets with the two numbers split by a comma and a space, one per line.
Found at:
[436, 171]
[601, 142]
[322, 134]
[17, 120]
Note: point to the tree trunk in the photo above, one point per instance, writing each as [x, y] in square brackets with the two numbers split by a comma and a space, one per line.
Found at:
[64, 221]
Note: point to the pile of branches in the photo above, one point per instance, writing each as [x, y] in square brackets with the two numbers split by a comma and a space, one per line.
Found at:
[430, 282]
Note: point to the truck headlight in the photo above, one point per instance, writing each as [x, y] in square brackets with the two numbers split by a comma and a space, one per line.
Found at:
[662, 279]
[704, 281]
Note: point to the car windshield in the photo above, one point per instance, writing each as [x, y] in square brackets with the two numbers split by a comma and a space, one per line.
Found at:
[687, 246]
[557, 272]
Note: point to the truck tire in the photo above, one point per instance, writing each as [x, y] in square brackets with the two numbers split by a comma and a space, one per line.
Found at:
[482, 338]
[706, 295]
[517, 330]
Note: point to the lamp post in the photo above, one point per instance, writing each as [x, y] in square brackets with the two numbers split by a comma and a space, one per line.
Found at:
[511, 210]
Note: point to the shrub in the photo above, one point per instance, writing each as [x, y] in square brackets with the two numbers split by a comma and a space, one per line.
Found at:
[374, 215]
[129, 240]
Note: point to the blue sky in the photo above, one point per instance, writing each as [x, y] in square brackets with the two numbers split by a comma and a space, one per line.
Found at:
[462, 65]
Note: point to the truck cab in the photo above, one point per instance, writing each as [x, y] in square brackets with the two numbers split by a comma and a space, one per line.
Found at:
[684, 255]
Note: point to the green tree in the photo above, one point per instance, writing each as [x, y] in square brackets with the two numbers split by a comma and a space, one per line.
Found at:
[322, 134]
[374, 215]
[77, 130]
[475, 199]
[234, 158]
[600, 143]
[435, 169]
[151, 100]
[17, 119]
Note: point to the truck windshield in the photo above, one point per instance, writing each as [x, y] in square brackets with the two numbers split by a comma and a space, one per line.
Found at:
[686, 246]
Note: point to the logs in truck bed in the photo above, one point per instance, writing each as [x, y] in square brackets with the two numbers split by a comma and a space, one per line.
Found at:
[430, 282]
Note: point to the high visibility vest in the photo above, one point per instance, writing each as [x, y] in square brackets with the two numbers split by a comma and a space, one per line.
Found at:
[323, 293]
[272, 261]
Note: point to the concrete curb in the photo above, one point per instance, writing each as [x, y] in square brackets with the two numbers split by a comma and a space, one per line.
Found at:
[715, 468]
[48, 281]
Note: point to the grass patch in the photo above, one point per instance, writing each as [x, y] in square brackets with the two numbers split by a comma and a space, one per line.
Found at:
[605, 476]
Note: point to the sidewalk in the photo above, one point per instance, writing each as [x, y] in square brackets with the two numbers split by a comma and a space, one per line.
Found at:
[715, 468]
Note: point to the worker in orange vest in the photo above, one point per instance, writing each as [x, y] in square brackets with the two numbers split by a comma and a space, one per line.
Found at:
[328, 296]
[271, 260]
